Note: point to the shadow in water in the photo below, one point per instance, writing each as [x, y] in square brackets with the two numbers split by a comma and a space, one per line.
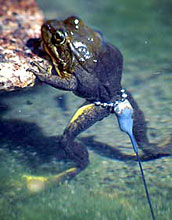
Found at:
[106, 150]
[28, 139]
[36, 148]
[114, 153]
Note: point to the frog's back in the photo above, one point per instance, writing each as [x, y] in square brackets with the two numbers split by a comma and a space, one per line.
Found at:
[104, 79]
[109, 67]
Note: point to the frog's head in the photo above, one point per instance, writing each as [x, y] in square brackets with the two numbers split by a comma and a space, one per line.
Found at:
[69, 43]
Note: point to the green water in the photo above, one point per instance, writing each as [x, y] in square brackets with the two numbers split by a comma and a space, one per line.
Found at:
[110, 188]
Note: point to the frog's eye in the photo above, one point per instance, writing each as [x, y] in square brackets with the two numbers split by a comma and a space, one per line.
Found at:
[59, 37]
[74, 22]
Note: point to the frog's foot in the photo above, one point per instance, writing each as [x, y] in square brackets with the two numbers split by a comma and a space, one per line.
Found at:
[36, 184]
[42, 72]
[46, 73]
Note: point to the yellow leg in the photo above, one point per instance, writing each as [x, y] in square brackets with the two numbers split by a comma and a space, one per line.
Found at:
[82, 110]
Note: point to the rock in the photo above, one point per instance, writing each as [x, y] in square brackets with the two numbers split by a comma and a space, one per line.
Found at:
[20, 21]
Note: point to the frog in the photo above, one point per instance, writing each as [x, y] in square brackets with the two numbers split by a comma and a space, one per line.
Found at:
[90, 67]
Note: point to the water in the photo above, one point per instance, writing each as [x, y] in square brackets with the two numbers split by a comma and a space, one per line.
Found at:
[111, 187]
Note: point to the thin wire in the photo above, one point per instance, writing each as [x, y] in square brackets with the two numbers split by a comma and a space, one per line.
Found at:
[142, 174]
[124, 113]
[145, 186]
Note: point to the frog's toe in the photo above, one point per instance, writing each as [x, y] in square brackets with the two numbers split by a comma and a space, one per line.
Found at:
[40, 68]
[33, 71]
[41, 73]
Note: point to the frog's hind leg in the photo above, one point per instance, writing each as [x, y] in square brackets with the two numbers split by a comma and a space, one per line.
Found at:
[151, 150]
[84, 118]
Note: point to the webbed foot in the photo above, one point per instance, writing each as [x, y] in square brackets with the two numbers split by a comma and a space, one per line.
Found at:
[36, 184]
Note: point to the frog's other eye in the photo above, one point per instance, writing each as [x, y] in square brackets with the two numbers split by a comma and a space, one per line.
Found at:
[59, 37]
[74, 22]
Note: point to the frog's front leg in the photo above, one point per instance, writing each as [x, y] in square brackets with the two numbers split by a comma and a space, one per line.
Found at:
[67, 82]
[84, 118]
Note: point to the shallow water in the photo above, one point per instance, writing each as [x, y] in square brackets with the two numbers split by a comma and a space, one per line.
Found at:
[111, 187]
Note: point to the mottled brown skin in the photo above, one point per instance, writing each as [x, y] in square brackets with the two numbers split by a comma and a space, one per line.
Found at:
[91, 68]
